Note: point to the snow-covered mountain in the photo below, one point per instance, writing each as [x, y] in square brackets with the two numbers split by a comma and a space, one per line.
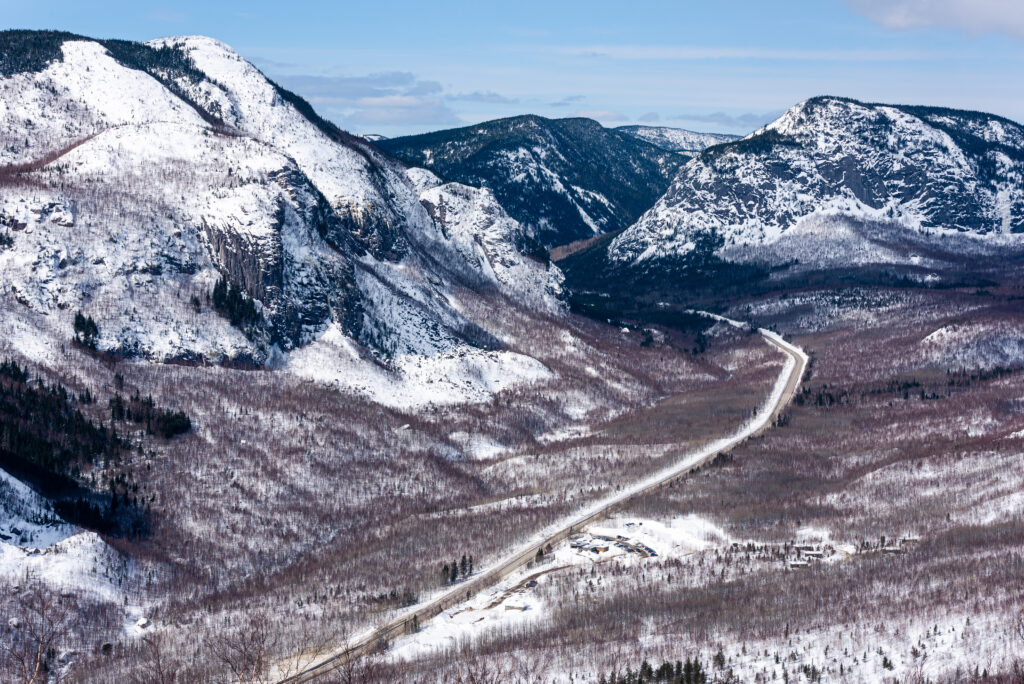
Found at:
[835, 181]
[689, 143]
[135, 176]
[565, 179]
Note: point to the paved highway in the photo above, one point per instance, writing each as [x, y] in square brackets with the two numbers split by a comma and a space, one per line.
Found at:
[782, 393]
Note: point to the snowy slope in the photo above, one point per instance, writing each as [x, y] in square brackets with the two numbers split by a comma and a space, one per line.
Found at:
[979, 344]
[137, 175]
[86, 92]
[690, 143]
[218, 204]
[361, 185]
[35, 544]
[926, 171]
[26, 519]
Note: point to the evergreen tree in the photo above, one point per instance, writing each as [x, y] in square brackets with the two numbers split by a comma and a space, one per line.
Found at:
[699, 676]
[220, 294]
[234, 304]
[86, 331]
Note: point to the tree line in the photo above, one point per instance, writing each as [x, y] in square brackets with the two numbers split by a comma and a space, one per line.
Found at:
[688, 672]
[47, 440]
[142, 410]
[456, 570]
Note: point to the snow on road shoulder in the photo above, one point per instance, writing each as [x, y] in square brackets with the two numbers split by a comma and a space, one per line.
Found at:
[758, 421]
[520, 597]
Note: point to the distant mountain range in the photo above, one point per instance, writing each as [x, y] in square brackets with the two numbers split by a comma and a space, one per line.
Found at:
[200, 212]
[834, 184]
[689, 143]
[564, 179]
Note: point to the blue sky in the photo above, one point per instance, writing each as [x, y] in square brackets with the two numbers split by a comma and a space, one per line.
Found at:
[404, 67]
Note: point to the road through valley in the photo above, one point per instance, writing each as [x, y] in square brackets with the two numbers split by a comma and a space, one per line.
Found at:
[782, 393]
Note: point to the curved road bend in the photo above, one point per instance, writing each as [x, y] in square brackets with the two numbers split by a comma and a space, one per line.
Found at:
[783, 392]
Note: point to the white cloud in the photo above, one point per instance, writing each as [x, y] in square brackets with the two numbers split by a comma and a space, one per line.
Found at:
[394, 98]
[602, 115]
[429, 113]
[390, 101]
[568, 101]
[691, 53]
[746, 121]
[487, 97]
[972, 16]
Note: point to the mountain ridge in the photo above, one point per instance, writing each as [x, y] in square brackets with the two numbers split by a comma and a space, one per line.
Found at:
[832, 155]
[564, 179]
[681, 140]
[129, 199]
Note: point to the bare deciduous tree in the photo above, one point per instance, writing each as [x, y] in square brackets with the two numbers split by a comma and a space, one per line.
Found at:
[158, 666]
[42, 622]
[246, 651]
[259, 653]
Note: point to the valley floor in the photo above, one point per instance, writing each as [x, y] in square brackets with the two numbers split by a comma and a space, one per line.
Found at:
[875, 535]
[332, 513]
